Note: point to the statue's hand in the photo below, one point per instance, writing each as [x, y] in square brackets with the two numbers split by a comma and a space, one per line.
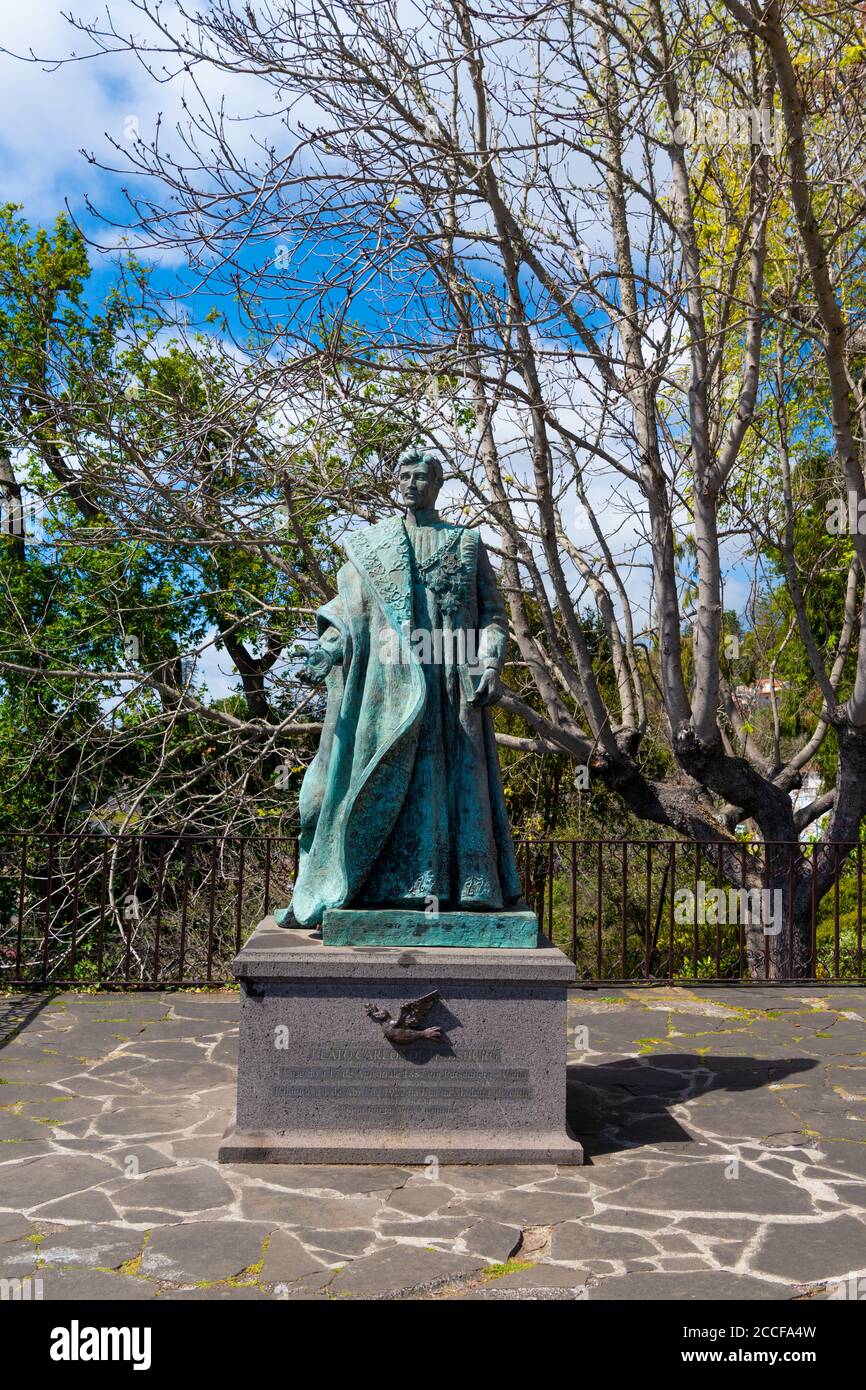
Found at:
[489, 688]
[318, 664]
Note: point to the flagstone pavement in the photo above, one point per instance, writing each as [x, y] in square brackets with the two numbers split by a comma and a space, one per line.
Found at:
[725, 1132]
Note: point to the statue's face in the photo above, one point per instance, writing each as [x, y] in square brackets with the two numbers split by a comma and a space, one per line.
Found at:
[419, 483]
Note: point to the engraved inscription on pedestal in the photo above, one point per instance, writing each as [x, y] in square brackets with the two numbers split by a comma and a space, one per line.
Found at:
[376, 1087]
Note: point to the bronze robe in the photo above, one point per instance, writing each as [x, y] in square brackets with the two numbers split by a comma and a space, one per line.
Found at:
[403, 804]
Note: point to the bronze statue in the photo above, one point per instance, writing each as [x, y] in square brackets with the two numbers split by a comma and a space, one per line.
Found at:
[402, 806]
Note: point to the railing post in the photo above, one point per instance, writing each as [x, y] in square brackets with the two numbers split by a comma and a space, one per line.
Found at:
[240, 898]
[48, 888]
[673, 869]
[22, 889]
[624, 906]
[860, 910]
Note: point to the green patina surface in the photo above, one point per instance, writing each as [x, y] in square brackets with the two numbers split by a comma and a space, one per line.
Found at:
[403, 803]
[404, 927]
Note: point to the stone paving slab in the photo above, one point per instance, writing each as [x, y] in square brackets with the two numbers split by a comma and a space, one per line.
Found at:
[725, 1130]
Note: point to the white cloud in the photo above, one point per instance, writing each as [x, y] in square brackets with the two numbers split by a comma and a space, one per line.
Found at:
[49, 112]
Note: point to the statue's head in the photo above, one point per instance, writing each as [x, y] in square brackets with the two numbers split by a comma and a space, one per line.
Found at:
[420, 473]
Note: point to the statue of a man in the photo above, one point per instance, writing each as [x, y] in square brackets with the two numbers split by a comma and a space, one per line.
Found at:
[402, 805]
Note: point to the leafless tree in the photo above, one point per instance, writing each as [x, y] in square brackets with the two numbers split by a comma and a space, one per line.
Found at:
[608, 243]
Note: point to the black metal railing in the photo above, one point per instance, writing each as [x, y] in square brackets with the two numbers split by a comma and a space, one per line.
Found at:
[162, 911]
[666, 911]
[134, 910]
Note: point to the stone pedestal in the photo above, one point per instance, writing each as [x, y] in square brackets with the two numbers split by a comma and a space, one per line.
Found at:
[318, 1081]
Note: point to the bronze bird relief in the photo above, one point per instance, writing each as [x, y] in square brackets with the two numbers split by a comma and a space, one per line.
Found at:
[405, 1027]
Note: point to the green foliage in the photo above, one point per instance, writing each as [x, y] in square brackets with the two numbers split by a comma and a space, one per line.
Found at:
[145, 456]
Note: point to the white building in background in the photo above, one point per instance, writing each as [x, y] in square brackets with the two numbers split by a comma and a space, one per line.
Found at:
[804, 796]
[759, 695]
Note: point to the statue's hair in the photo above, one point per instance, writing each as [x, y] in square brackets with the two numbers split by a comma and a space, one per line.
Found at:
[417, 453]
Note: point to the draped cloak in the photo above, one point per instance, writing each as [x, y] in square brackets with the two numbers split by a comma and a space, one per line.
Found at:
[403, 802]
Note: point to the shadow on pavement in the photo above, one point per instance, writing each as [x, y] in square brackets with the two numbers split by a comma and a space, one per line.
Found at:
[17, 1010]
[620, 1105]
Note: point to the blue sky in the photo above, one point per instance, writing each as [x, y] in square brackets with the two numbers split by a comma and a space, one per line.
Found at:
[52, 111]
[48, 113]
